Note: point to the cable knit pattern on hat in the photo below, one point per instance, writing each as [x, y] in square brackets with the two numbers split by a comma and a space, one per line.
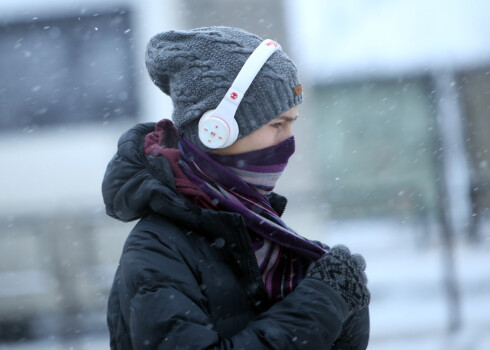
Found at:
[196, 68]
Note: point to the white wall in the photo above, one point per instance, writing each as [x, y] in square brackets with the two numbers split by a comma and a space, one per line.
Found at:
[339, 39]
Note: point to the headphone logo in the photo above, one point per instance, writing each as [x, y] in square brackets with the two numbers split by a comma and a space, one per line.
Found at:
[234, 95]
[272, 42]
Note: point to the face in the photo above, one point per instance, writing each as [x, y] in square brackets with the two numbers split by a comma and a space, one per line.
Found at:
[270, 134]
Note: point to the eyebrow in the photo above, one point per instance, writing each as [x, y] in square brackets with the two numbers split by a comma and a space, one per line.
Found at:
[289, 119]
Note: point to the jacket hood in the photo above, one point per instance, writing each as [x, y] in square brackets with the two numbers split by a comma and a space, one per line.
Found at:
[135, 184]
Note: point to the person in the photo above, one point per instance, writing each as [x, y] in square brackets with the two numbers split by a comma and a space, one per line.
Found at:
[210, 263]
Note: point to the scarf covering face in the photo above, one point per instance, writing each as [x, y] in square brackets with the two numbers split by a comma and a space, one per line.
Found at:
[239, 183]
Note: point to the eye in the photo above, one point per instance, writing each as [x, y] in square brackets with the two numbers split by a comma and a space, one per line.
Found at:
[276, 125]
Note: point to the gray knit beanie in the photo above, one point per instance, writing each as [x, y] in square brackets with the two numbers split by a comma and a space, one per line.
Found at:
[196, 68]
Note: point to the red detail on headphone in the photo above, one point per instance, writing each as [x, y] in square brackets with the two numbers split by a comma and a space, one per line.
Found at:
[272, 42]
[216, 126]
[213, 133]
[234, 95]
[205, 129]
[220, 137]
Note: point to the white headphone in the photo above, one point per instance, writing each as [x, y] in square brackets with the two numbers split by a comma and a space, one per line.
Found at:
[218, 127]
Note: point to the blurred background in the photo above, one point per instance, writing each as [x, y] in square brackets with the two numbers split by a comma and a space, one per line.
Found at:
[392, 154]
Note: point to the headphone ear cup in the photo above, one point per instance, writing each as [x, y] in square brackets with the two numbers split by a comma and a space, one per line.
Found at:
[206, 116]
[215, 132]
[233, 125]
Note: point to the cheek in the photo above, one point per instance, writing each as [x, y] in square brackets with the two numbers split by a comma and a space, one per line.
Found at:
[266, 138]
[285, 133]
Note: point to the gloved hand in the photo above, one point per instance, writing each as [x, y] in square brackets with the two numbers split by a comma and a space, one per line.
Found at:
[321, 245]
[344, 273]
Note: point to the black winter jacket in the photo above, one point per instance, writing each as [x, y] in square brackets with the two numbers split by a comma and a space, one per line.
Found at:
[188, 277]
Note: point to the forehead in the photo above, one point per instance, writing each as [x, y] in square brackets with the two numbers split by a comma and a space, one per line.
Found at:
[291, 113]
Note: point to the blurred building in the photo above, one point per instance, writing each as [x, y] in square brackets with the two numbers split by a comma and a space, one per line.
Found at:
[393, 126]
[389, 80]
[72, 79]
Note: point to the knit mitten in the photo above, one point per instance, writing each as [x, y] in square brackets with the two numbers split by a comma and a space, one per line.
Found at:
[322, 245]
[344, 273]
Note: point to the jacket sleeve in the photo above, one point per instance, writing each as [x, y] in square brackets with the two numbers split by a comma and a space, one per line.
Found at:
[167, 310]
[355, 332]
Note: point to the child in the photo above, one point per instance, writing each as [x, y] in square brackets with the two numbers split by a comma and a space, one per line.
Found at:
[211, 264]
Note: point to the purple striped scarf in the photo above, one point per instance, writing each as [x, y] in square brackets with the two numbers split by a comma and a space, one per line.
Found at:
[240, 183]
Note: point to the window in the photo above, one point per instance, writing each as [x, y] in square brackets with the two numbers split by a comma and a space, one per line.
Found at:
[375, 150]
[68, 70]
